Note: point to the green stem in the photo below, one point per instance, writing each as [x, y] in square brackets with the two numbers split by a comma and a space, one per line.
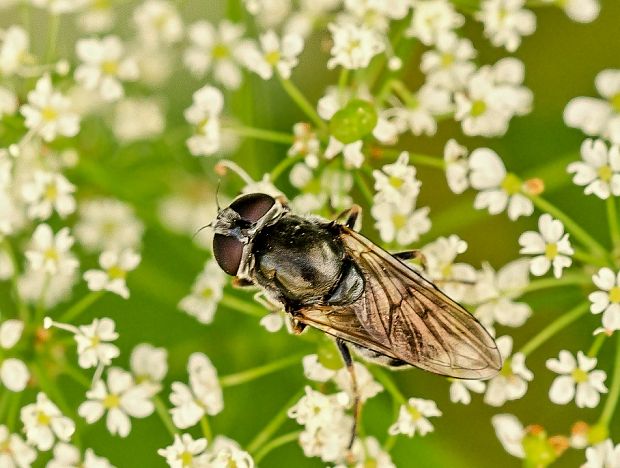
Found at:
[284, 165]
[272, 426]
[76, 375]
[388, 384]
[76, 309]
[13, 411]
[206, 428]
[554, 327]
[301, 101]
[612, 219]
[419, 159]
[4, 402]
[614, 391]
[54, 26]
[40, 308]
[408, 98]
[265, 135]
[22, 308]
[260, 371]
[275, 443]
[241, 305]
[568, 279]
[363, 186]
[589, 259]
[577, 231]
[164, 415]
[597, 344]
[343, 79]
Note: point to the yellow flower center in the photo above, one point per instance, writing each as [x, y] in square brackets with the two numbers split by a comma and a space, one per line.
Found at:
[371, 463]
[94, 341]
[207, 293]
[605, 173]
[396, 182]
[614, 294]
[447, 60]
[220, 51]
[615, 102]
[399, 221]
[506, 370]
[49, 114]
[551, 251]
[51, 192]
[580, 376]
[110, 67]
[446, 270]
[415, 414]
[186, 458]
[51, 254]
[111, 401]
[478, 108]
[5, 446]
[43, 419]
[272, 57]
[116, 272]
[511, 184]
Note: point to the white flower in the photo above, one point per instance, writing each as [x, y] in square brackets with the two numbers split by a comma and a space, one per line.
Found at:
[58, 7]
[367, 387]
[510, 433]
[495, 293]
[600, 169]
[93, 343]
[8, 102]
[46, 192]
[204, 114]
[149, 365]
[499, 190]
[551, 247]
[268, 13]
[354, 46]
[413, 416]
[50, 253]
[397, 180]
[352, 152]
[314, 370]
[14, 374]
[598, 117]
[10, 333]
[43, 423]
[158, 22]
[104, 66]
[14, 45]
[582, 11]
[216, 49]
[108, 224]
[121, 398]
[511, 382]
[578, 380]
[418, 113]
[603, 455]
[96, 17]
[68, 456]
[506, 21]
[15, 452]
[203, 396]
[432, 19]
[185, 452]
[368, 452]
[400, 222]
[138, 119]
[457, 166]
[459, 390]
[226, 453]
[35, 286]
[115, 266]
[607, 299]
[207, 290]
[491, 97]
[449, 64]
[272, 322]
[306, 144]
[275, 53]
[315, 409]
[48, 112]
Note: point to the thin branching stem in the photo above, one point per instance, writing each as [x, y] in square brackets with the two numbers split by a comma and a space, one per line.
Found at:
[275, 443]
[260, 371]
[162, 411]
[298, 97]
[264, 135]
[614, 390]
[76, 309]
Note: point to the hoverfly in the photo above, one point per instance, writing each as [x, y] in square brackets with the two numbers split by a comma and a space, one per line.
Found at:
[328, 276]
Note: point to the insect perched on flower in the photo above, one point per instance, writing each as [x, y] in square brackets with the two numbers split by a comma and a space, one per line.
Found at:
[329, 277]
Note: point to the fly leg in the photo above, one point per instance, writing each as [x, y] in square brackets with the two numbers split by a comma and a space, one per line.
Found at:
[346, 357]
[411, 255]
[351, 215]
[241, 282]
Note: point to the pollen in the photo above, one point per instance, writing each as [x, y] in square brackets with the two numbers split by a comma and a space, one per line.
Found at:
[614, 294]
[220, 51]
[51, 192]
[415, 414]
[207, 293]
[49, 114]
[579, 376]
[43, 419]
[551, 251]
[605, 173]
[478, 108]
[399, 221]
[511, 184]
[396, 182]
[447, 60]
[51, 254]
[186, 458]
[116, 272]
[110, 67]
[111, 401]
[273, 57]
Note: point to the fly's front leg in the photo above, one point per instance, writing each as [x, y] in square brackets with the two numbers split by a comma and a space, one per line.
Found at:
[241, 282]
[411, 255]
[346, 357]
[351, 215]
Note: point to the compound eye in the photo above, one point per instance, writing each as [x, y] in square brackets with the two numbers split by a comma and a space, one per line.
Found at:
[253, 206]
[227, 251]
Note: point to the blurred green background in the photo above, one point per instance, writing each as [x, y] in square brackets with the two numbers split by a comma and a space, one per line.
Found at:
[561, 59]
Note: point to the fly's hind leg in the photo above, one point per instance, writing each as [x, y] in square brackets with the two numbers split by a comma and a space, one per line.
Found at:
[351, 215]
[415, 255]
[346, 357]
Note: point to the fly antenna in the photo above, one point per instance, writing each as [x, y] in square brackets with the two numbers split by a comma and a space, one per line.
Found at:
[217, 192]
[201, 229]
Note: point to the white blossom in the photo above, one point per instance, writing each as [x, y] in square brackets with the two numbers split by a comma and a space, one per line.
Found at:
[114, 268]
[44, 423]
[69, 456]
[15, 452]
[354, 45]
[158, 22]
[275, 53]
[94, 345]
[449, 64]
[185, 452]
[48, 192]
[550, 246]
[577, 380]
[603, 455]
[457, 166]
[149, 365]
[14, 55]
[510, 433]
[600, 169]
[511, 382]
[50, 252]
[432, 19]
[207, 290]
[506, 21]
[606, 299]
[460, 390]
[413, 417]
[204, 114]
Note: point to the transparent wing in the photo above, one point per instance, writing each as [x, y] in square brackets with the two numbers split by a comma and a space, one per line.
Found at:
[403, 316]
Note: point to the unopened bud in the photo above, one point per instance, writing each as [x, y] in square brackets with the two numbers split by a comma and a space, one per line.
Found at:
[534, 186]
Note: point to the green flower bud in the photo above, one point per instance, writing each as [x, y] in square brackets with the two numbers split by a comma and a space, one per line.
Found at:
[354, 121]
[539, 453]
[597, 434]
